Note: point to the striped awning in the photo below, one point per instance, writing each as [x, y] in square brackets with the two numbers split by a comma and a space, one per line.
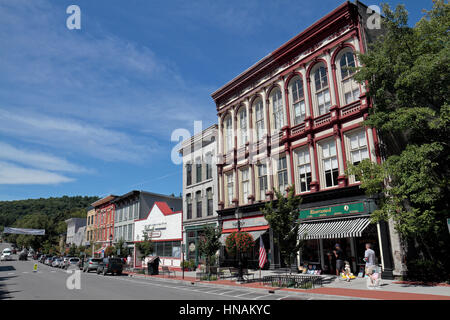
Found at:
[342, 228]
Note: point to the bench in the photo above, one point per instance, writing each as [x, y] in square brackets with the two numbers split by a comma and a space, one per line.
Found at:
[165, 269]
[245, 273]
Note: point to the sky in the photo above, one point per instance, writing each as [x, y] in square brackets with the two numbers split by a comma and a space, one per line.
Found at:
[92, 111]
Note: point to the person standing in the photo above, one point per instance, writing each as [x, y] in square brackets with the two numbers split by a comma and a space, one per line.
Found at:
[129, 261]
[339, 255]
[369, 258]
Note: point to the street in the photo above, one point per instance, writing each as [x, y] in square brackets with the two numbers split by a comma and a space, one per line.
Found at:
[18, 281]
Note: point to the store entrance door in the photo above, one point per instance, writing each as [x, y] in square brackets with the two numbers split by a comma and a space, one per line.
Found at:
[328, 258]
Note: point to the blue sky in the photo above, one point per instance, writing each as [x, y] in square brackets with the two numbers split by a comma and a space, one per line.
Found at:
[91, 111]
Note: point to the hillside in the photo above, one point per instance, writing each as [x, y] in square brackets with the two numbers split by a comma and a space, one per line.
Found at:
[11, 211]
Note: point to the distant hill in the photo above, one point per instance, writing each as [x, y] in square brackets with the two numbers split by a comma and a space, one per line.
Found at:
[55, 208]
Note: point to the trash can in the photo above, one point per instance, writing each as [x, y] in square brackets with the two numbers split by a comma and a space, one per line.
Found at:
[153, 265]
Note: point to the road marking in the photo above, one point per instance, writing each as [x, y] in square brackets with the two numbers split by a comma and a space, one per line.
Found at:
[266, 295]
[282, 297]
[10, 272]
[244, 294]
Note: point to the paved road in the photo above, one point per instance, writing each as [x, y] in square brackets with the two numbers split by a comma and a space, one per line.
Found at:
[18, 281]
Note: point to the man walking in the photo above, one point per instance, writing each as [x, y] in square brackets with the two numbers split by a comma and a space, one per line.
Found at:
[369, 257]
[339, 255]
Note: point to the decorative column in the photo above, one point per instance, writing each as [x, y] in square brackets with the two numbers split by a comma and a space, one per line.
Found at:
[312, 156]
[342, 179]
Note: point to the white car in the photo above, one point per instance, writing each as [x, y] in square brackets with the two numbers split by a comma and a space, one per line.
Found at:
[56, 262]
[6, 254]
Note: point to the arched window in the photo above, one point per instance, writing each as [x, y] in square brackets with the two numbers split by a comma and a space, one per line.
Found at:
[228, 127]
[297, 100]
[277, 109]
[349, 87]
[322, 91]
[259, 119]
[243, 137]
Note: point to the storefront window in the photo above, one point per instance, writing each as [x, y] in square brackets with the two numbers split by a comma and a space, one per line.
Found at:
[311, 252]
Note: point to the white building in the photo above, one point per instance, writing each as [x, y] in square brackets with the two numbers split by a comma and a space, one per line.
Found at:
[74, 234]
[199, 187]
[164, 227]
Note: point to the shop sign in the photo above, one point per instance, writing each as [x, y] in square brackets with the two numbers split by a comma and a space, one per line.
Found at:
[332, 210]
[192, 247]
[154, 234]
[248, 222]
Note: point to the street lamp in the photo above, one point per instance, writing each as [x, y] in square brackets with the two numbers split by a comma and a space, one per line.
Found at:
[239, 217]
[110, 240]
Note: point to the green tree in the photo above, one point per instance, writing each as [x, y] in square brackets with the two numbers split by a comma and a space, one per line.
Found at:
[120, 249]
[72, 250]
[146, 246]
[406, 72]
[209, 243]
[282, 215]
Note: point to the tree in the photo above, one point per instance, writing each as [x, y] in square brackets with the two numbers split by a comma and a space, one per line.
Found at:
[209, 243]
[109, 251]
[120, 249]
[282, 215]
[406, 72]
[72, 250]
[146, 246]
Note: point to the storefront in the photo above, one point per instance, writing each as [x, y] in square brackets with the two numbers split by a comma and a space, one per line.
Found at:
[346, 224]
[258, 227]
[192, 235]
[164, 229]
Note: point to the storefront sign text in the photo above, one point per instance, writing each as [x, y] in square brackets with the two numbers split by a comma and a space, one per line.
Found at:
[332, 211]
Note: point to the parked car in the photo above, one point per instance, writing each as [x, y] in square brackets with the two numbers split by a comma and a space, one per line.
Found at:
[110, 265]
[23, 255]
[56, 262]
[73, 262]
[91, 264]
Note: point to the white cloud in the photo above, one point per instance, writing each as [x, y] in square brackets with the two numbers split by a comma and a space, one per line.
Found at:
[12, 174]
[72, 136]
[38, 160]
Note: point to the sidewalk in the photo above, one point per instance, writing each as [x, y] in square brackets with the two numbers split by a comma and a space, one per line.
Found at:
[356, 288]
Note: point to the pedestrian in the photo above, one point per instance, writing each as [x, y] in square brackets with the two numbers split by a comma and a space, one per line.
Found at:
[369, 258]
[129, 261]
[339, 255]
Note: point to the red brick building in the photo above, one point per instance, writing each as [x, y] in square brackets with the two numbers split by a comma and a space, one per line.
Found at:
[103, 222]
[294, 119]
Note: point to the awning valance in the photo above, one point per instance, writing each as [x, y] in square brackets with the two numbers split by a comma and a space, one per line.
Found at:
[255, 235]
[342, 228]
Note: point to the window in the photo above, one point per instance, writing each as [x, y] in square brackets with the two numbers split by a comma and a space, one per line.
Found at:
[350, 89]
[321, 90]
[245, 185]
[298, 100]
[259, 120]
[358, 147]
[115, 234]
[277, 106]
[209, 197]
[136, 212]
[209, 166]
[125, 232]
[198, 170]
[330, 164]
[282, 174]
[304, 170]
[228, 134]
[189, 206]
[230, 188]
[262, 180]
[243, 127]
[188, 174]
[198, 199]
[130, 232]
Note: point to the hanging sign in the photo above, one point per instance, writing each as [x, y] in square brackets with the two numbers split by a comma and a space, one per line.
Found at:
[332, 210]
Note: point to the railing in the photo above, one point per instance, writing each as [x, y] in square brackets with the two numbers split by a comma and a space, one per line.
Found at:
[322, 120]
[352, 108]
[298, 129]
[293, 281]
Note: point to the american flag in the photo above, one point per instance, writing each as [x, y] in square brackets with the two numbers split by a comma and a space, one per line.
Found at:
[262, 254]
